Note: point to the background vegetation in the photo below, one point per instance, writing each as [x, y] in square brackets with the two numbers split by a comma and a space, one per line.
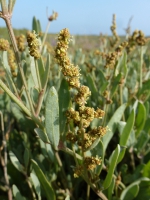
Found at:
[45, 151]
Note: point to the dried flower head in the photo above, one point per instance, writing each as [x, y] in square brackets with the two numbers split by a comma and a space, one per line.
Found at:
[53, 16]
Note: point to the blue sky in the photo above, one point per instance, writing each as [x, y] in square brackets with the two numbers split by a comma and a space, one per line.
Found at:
[83, 16]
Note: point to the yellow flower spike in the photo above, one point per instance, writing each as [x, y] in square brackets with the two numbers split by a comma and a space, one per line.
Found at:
[4, 45]
[33, 43]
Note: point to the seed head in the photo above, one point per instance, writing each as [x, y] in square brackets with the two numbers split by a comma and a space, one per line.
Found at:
[4, 45]
[33, 44]
[21, 42]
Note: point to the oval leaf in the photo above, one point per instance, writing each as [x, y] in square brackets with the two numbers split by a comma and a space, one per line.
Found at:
[16, 193]
[52, 117]
[16, 162]
[113, 163]
[130, 192]
[42, 135]
[26, 157]
[36, 185]
[64, 99]
[111, 125]
[44, 182]
[125, 135]
[140, 118]
[127, 129]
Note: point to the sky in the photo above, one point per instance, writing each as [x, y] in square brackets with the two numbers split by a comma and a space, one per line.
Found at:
[83, 17]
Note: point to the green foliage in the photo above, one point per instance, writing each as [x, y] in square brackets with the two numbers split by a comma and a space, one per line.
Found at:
[112, 165]
[48, 123]
[52, 117]
[46, 185]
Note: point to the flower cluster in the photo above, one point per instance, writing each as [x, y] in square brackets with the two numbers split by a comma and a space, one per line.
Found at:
[21, 42]
[84, 115]
[33, 43]
[82, 119]
[70, 71]
[113, 29]
[137, 38]
[90, 163]
[12, 62]
[53, 16]
[111, 58]
[4, 45]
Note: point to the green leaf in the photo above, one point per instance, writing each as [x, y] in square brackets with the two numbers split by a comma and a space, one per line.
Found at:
[111, 189]
[39, 26]
[44, 182]
[131, 83]
[103, 81]
[64, 100]
[142, 141]
[16, 162]
[144, 190]
[132, 190]
[50, 152]
[112, 165]
[45, 76]
[92, 86]
[26, 157]
[122, 65]
[36, 185]
[111, 125]
[147, 108]
[52, 117]
[42, 135]
[127, 129]
[125, 94]
[33, 72]
[115, 84]
[36, 25]
[145, 89]
[41, 69]
[146, 170]
[125, 135]
[16, 193]
[140, 118]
